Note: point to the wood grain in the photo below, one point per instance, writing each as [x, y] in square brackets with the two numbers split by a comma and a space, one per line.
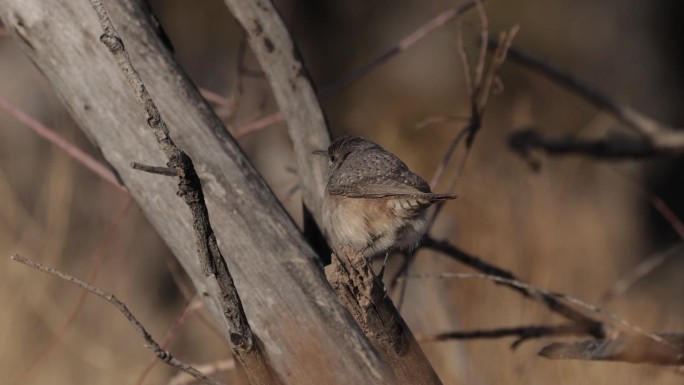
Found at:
[307, 336]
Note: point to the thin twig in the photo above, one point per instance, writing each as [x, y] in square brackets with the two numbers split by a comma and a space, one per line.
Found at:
[189, 293]
[217, 99]
[590, 326]
[161, 354]
[242, 69]
[405, 43]
[613, 147]
[460, 46]
[440, 119]
[69, 148]
[505, 42]
[170, 335]
[258, 125]
[639, 271]
[625, 348]
[98, 259]
[447, 156]
[543, 293]
[159, 170]
[482, 58]
[661, 136]
[650, 263]
[210, 368]
[657, 203]
[523, 333]
[478, 104]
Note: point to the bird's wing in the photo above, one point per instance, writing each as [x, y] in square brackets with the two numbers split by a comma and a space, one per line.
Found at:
[376, 174]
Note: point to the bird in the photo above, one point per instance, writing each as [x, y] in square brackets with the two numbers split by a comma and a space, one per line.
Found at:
[373, 203]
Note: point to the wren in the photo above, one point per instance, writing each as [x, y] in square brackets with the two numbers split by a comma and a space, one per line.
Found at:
[373, 203]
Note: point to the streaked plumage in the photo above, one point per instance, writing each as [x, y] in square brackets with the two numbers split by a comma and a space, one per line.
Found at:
[373, 202]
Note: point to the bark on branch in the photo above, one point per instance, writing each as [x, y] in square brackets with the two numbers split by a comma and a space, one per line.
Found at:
[276, 273]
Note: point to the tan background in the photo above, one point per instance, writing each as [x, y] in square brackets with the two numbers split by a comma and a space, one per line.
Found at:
[574, 227]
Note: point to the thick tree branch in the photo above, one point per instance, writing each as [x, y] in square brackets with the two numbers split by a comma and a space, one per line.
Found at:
[211, 260]
[352, 277]
[276, 272]
[292, 88]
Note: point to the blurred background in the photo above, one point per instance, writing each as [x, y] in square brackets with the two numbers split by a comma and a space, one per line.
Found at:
[576, 226]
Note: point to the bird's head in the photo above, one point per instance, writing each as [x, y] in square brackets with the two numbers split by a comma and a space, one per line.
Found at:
[341, 147]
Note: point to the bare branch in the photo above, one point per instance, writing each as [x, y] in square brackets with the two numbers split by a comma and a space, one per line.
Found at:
[657, 138]
[258, 125]
[293, 91]
[447, 156]
[210, 368]
[478, 102]
[351, 276]
[500, 53]
[170, 335]
[524, 333]
[97, 259]
[482, 58]
[189, 188]
[614, 147]
[159, 170]
[69, 148]
[460, 46]
[161, 354]
[217, 99]
[404, 44]
[212, 263]
[542, 293]
[408, 41]
[649, 264]
[626, 348]
[590, 326]
[266, 256]
[639, 271]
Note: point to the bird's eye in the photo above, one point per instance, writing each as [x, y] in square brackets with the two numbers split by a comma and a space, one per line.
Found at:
[332, 157]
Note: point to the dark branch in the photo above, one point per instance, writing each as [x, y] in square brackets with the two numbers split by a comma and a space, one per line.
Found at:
[189, 188]
[656, 138]
[662, 135]
[166, 171]
[614, 147]
[586, 323]
[626, 348]
[523, 333]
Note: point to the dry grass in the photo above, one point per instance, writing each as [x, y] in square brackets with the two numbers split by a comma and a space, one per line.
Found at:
[575, 227]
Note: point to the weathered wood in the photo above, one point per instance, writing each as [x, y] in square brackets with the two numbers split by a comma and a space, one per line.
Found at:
[307, 336]
[352, 278]
[278, 57]
[356, 285]
[213, 265]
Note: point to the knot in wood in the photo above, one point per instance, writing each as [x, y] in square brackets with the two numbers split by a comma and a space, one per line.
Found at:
[113, 43]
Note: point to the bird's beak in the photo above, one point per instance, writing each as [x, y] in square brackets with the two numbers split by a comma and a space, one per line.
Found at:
[320, 152]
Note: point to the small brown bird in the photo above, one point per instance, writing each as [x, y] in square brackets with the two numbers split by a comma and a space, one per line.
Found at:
[373, 203]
